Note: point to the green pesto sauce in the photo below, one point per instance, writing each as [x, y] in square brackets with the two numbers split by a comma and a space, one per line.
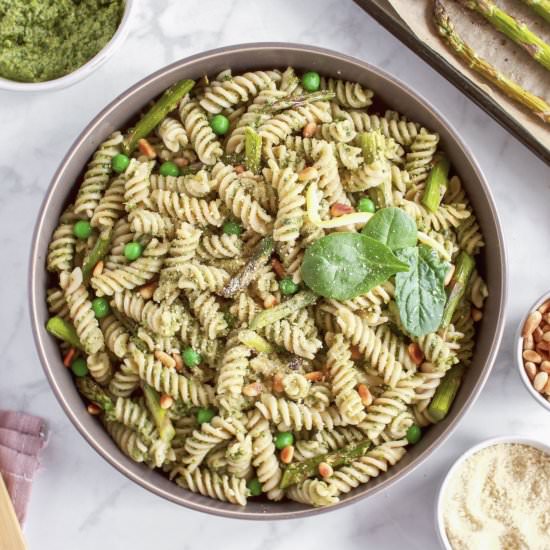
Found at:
[46, 39]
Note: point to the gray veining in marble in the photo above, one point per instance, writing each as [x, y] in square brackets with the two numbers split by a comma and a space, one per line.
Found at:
[79, 501]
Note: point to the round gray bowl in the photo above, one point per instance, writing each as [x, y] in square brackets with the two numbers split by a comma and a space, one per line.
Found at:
[250, 57]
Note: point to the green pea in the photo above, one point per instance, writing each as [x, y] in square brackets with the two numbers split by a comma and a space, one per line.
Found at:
[79, 367]
[219, 125]
[311, 81]
[82, 229]
[254, 487]
[366, 205]
[191, 357]
[205, 415]
[119, 163]
[284, 439]
[101, 307]
[288, 286]
[414, 434]
[232, 228]
[133, 251]
[169, 169]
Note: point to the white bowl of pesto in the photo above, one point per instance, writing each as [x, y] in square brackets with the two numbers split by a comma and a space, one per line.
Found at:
[495, 496]
[39, 59]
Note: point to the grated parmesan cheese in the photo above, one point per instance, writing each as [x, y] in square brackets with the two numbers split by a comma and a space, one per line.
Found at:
[500, 499]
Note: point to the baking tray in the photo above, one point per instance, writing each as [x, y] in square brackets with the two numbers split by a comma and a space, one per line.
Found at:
[383, 12]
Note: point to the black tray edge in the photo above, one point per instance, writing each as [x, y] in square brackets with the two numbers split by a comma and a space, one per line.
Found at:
[455, 77]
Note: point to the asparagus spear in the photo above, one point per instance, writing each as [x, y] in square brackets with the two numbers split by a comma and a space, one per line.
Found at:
[372, 144]
[63, 330]
[95, 393]
[252, 150]
[518, 32]
[540, 7]
[249, 271]
[299, 100]
[445, 394]
[98, 252]
[436, 183]
[92, 391]
[167, 102]
[512, 89]
[268, 316]
[254, 341]
[298, 472]
[160, 415]
[463, 270]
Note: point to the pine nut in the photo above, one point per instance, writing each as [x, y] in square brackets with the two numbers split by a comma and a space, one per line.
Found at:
[540, 381]
[287, 454]
[338, 209]
[528, 343]
[181, 162]
[308, 173]
[544, 307]
[309, 130]
[147, 291]
[546, 317]
[531, 355]
[477, 315]
[277, 383]
[365, 395]
[178, 361]
[269, 302]
[167, 360]
[545, 366]
[98, 269]
[69, 356]
[546, 336]
[166, 401]
[546, 389]
[532, 322]
[253, 390]
[530, 369]
[542, 347]
[315, 376]
[93, 409]
[415, 353]
[537, 335]
[145, 148]
[325, 470]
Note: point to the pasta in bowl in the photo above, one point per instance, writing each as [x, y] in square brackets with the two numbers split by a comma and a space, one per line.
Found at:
[267, 288]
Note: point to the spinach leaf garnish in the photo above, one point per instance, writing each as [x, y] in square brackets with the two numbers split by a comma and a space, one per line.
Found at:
[420, 291]
[345, 265]
[392, 227]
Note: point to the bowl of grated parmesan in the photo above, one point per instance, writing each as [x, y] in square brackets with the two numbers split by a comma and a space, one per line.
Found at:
[497, 495]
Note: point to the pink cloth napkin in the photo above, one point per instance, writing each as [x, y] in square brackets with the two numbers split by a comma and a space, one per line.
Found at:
[22, 437]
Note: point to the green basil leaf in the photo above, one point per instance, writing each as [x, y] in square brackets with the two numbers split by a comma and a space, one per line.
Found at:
[393, 227]
[345, 265]
[420, 292]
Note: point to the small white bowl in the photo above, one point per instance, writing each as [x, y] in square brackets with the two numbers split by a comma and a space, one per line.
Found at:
[540, 399]
[82, 72]
[440, 524]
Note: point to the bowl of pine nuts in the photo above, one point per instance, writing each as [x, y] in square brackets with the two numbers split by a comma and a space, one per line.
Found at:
[533, 350]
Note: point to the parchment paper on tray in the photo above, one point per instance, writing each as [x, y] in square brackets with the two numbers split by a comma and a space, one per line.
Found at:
[508, 58]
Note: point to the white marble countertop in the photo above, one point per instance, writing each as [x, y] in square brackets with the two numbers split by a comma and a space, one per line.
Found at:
[78, 500]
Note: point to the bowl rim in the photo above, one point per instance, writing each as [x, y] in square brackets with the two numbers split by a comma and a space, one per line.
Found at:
[84, 70]
[491, 442]
[36, 265]
[545, 403]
